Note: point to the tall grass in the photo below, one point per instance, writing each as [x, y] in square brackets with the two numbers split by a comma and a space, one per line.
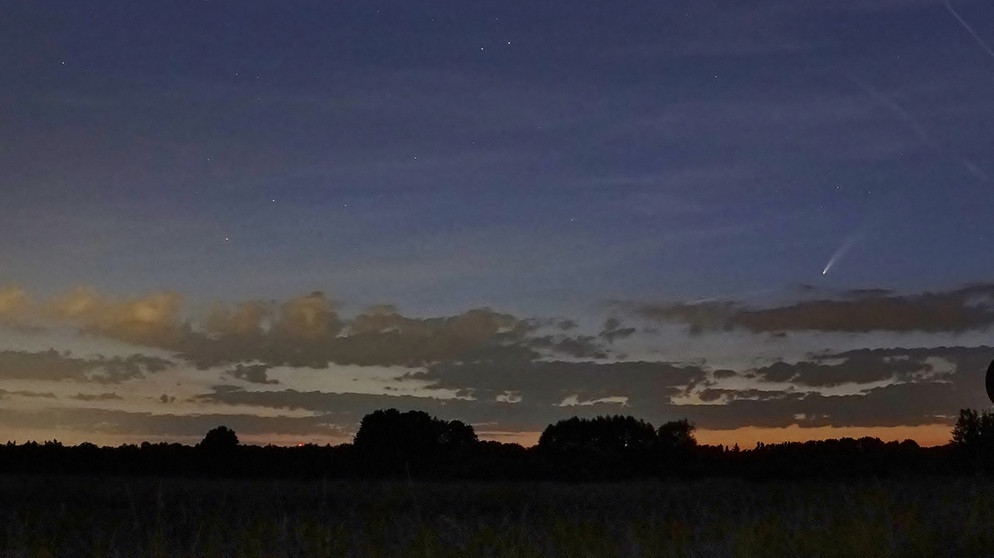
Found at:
[175, 518]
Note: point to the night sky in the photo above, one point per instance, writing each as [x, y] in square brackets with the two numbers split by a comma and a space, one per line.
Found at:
[773, 218]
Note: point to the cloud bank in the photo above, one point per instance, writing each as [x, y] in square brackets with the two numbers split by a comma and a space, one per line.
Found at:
[300, 368]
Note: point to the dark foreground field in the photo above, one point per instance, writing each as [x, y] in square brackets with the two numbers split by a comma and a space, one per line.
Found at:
[67, 516]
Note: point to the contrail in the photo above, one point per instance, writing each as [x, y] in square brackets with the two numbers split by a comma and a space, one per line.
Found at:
[969, 29]
[897, 109]
[916, 127]
[974, 170]
[840, 252]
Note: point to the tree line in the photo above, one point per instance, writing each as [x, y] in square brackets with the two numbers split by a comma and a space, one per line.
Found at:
[413, 444]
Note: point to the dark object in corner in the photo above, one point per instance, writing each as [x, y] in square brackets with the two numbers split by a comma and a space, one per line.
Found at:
[990, 382]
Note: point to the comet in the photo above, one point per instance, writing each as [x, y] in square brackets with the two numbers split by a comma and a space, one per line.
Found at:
[838, 255]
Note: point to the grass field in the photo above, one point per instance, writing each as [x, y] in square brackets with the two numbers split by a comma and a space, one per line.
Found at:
[174, 518]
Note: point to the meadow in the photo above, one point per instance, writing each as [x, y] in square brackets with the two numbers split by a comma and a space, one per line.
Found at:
[104, 517]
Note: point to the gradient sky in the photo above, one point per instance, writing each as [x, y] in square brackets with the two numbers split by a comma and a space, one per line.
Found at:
[771, 218]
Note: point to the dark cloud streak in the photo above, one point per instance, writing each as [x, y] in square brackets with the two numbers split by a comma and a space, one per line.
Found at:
[957, 311]
[53, 366]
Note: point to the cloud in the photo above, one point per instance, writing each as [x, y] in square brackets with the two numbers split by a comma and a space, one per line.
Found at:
[96, 397]
[119, 369]
[896, 405]
[647, 385]
[48, 365]
[857, 367]
[305, 338]
[532, 395]
[918, 393]
[959, 310]
[517, 374]
[149, 320]
[26, 393]
[14, 305]
[524, 395]
[245, 319]
[255, 374]
[307, 332]
[348, 408]
[308, 317]
[580, 346]
[304, 331]
[612, 330]
[54, 366]
[85, 422]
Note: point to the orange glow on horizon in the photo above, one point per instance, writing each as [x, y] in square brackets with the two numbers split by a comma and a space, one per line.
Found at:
[746, 437]
[526, 439]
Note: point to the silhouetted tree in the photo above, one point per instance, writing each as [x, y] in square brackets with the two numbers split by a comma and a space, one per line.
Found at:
[457, 434]
[972, 428]
[973, 438]
[604, 434]
[219, 455]
[675, 435]
[389, 441]
[676, 449]
[599, 448]
[219, 439]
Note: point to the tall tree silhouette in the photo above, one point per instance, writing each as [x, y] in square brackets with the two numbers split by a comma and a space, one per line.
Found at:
[973, 437]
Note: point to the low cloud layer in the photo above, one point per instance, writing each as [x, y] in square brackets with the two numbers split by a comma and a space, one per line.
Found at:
[300, 368]
[305, 331]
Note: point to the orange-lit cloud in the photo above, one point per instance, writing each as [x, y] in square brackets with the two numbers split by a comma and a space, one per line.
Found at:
[14, 304]
[149, 320]
[246, 319]
[308, 317]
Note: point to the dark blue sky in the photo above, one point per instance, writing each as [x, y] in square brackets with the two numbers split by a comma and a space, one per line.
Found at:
[546, 159]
